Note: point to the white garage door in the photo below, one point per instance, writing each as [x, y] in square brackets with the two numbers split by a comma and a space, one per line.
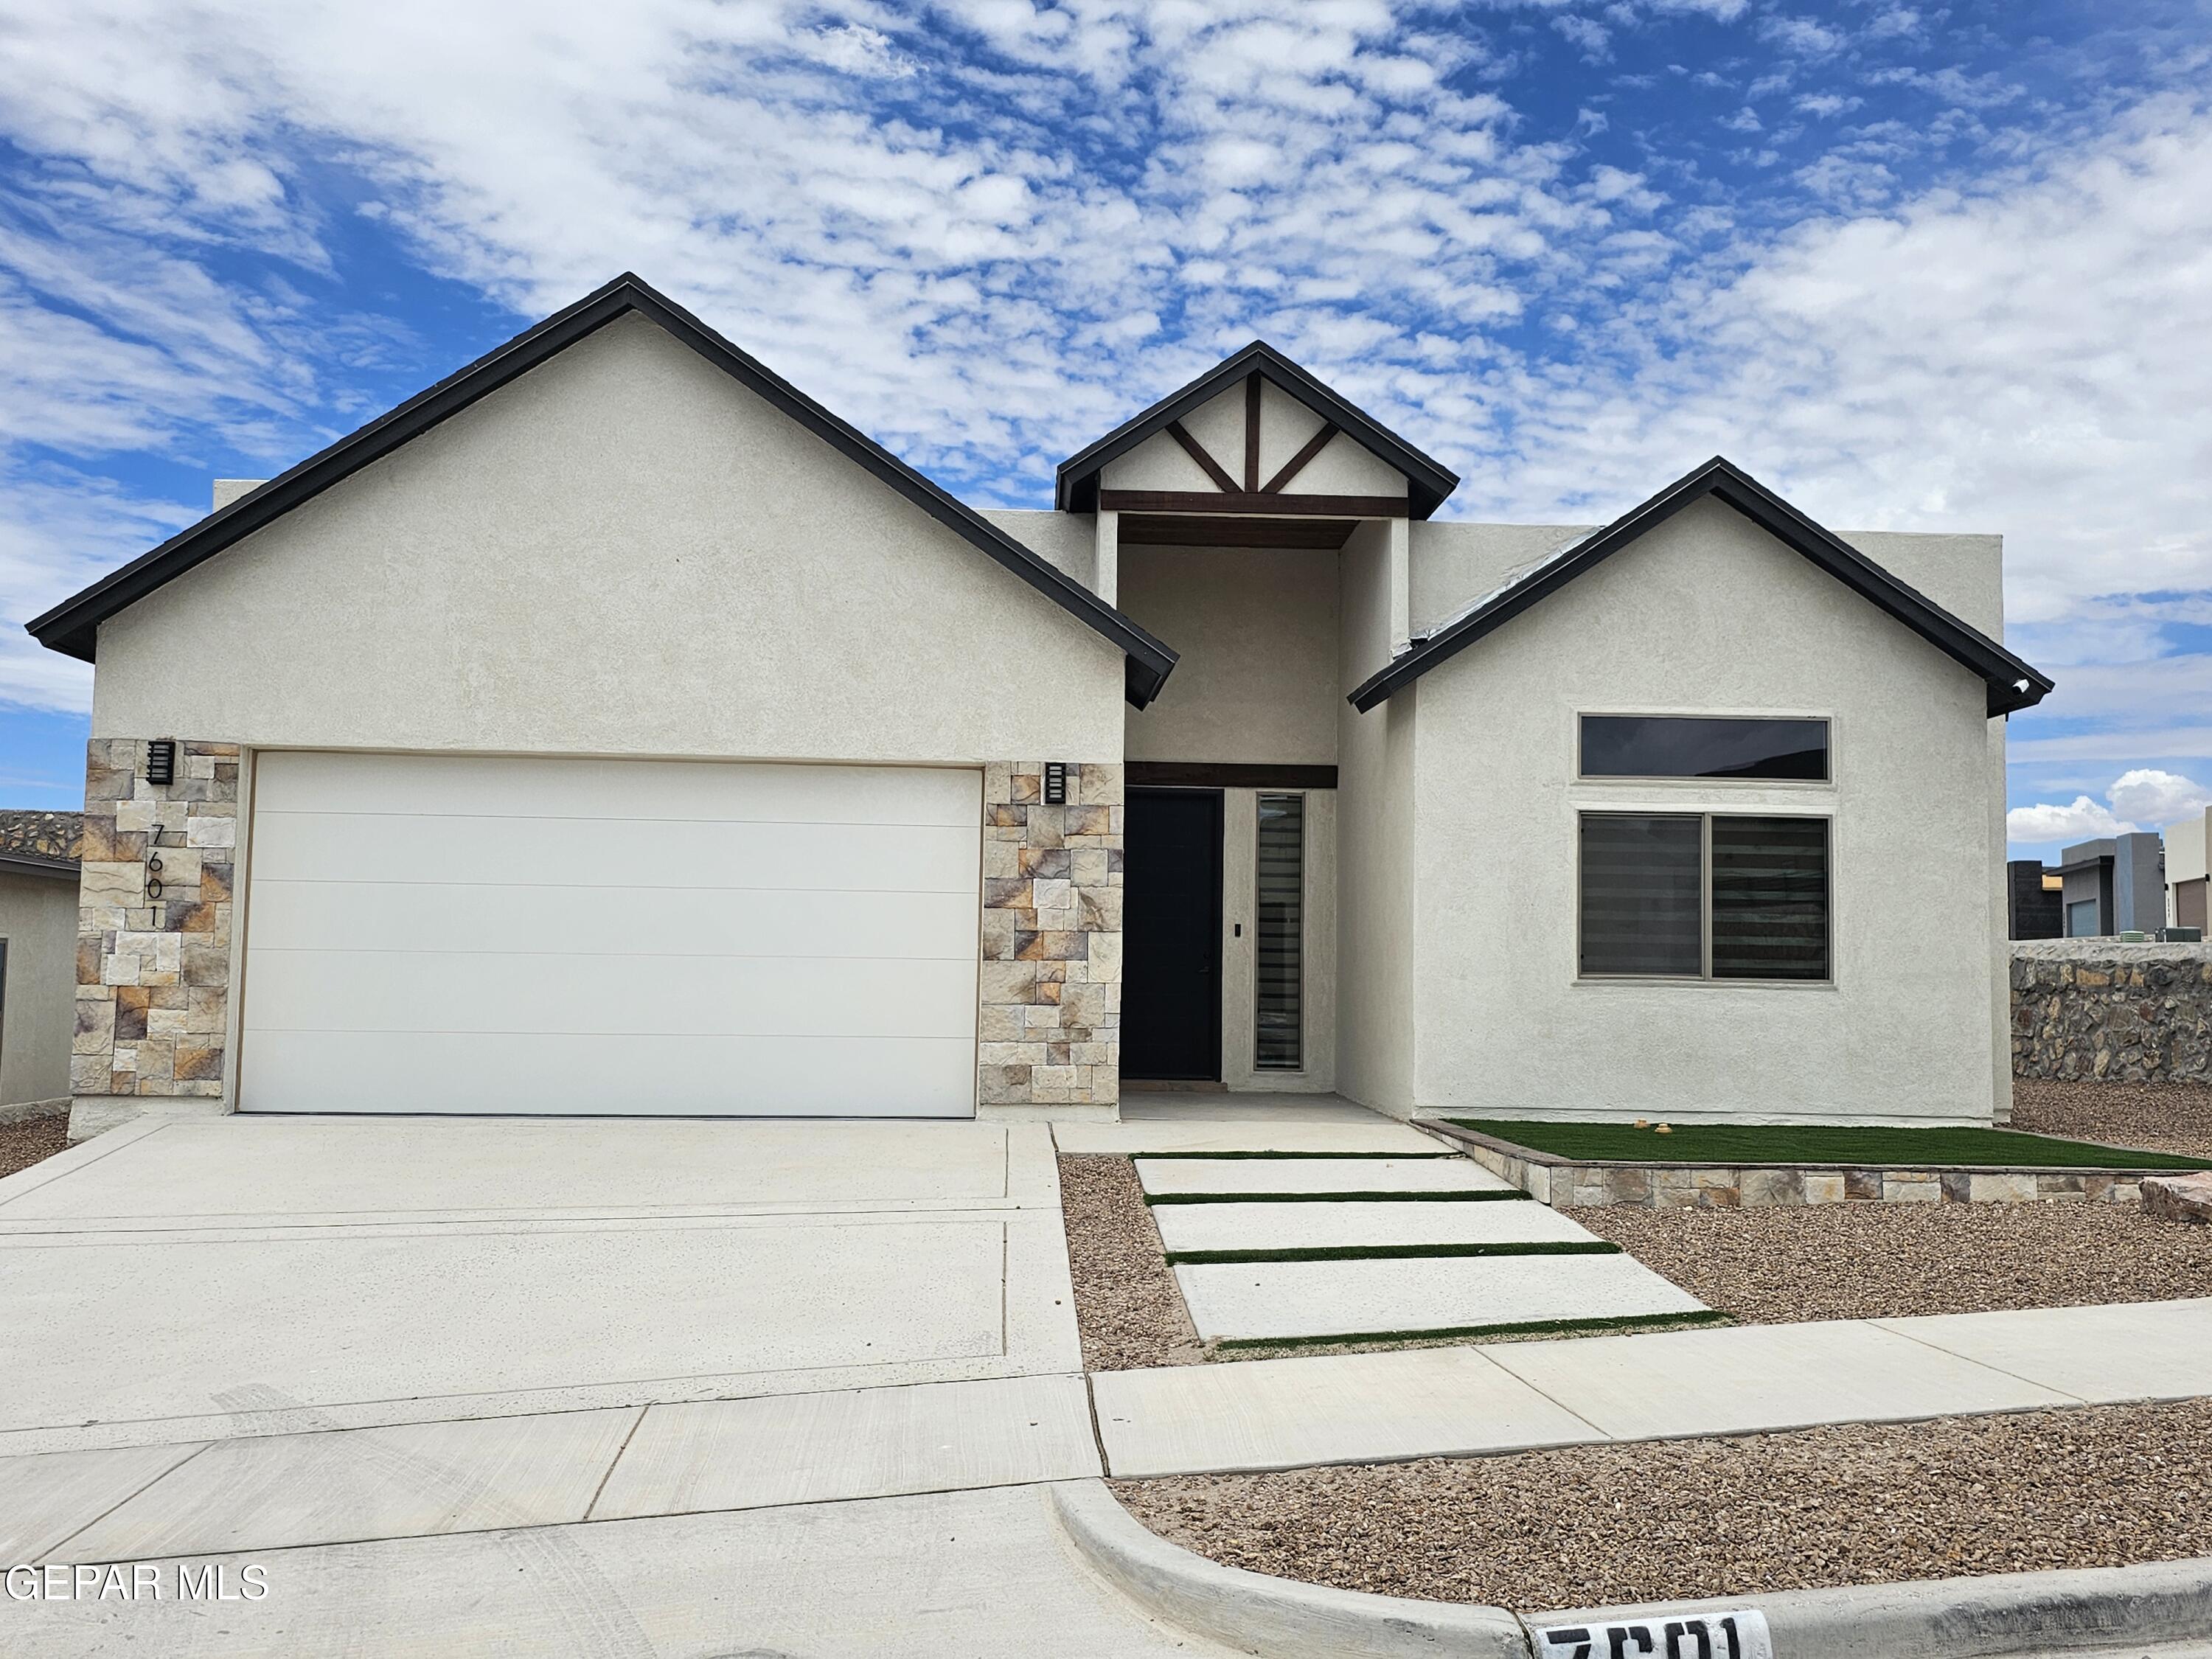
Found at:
[467, 934]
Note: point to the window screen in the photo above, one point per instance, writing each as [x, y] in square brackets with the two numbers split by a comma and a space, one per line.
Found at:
[1769, 898]
[1641, 899]
[1676, 746]
[1279, 938]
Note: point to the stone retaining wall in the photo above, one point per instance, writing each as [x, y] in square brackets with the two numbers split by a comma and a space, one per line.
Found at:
[1564, 1183]
[2097, 1009]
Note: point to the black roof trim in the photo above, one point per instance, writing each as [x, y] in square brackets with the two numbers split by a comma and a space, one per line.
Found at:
[2013, 684]
[1429, 481]
[72, 627]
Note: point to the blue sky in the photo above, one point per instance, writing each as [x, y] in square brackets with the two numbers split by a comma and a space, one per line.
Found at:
[1921, 267]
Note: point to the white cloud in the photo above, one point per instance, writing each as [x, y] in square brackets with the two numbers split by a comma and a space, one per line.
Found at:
[2138, 800]
[2084, 820]
[1584, 32]
[2154, 799]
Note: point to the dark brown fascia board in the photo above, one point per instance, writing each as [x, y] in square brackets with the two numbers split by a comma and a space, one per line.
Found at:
[2012, 683]
[1225, 775]
[72, 627]
[1252, 505]
[1429, 482]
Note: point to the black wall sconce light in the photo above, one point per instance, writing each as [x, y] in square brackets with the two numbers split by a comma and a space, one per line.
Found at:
[1055, 783]
[161, 761]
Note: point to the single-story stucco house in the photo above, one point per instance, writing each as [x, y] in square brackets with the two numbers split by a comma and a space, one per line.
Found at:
[613, 729]
[37, 960]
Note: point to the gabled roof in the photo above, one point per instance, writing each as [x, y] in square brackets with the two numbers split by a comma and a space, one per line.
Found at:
[72, 626]
[1428, 481]
[2012, 683]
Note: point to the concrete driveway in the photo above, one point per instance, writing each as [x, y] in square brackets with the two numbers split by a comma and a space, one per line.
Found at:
[198, 1279]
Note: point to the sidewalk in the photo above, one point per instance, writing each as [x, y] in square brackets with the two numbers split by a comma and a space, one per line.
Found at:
[1461, 1401]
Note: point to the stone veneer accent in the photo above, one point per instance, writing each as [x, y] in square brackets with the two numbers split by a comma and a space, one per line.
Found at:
[52, 837]
[2096, 1009]
[153, 966]
[1565, 1184]
[1050, 1013]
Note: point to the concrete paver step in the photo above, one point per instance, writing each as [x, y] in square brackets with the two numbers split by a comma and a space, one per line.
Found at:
[1180, 1175]
[1323, 1226]
[1294, 1300]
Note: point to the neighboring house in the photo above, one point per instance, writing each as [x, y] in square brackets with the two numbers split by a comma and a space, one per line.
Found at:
[612, 729]
[2115, 884]
[2034, 902]
[37, 956]
[2185, 870]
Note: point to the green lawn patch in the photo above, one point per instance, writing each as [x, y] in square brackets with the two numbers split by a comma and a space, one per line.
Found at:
[1716, 1144]
[1530, 1327]
[1396, 1252]
[1479, 1195]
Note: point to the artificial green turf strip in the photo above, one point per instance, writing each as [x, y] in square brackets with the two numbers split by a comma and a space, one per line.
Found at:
[1532, 1327]
[1226, 1155]
[1710, 1144]
[1476, 1197]
[1397, 1252]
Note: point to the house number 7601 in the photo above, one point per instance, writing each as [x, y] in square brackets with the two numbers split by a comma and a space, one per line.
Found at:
[1740, 1633]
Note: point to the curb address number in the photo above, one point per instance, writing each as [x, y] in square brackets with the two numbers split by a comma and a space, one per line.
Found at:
[1740, 1633]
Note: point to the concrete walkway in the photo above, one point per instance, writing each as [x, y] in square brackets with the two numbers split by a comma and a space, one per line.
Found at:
[1296, 1246]
[1500, 1397]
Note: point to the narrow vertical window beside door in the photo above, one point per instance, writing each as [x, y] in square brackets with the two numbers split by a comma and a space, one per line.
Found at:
[1280, 935]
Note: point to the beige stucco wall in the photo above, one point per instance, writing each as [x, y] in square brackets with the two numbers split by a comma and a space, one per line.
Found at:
[1067, 540]
[1375, 846]
[1706, 615]
[1453, 565]
[1257, 631]
[38, 918]
[625, 552]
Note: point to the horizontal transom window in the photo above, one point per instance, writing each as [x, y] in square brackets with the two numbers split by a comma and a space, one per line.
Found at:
[1703, 895]
[1691, 747]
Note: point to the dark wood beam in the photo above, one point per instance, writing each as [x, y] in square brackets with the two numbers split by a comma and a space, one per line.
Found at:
[1166, 530]
[1296, 463]
[1300, 507]
[1251, 432]
[1222, 774]
[1197, 451]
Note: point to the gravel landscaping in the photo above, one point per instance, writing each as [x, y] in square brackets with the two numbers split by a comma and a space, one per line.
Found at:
[2167, 1117]
[1879, 1260]
[1594, 1526]
[1126, 1305]
[22, 1145]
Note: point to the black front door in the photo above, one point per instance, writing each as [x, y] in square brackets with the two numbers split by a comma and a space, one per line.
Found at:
[1171, 935]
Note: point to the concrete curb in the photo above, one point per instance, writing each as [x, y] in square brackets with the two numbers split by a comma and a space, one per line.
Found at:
[2004, 1616]
[1252, 1612]
[2097, 1610]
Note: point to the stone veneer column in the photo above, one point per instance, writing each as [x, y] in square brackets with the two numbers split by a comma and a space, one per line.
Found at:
[153, 963]
[1049, 1021]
